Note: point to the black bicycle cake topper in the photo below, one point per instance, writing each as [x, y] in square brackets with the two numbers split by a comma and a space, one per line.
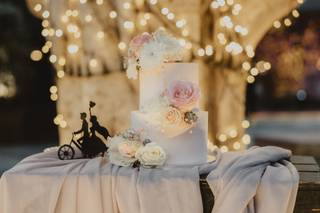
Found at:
[89, 144]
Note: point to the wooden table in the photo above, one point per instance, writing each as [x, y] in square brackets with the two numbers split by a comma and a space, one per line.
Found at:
[308, 198]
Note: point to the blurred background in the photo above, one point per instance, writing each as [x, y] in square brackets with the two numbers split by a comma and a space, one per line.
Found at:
[52, 64]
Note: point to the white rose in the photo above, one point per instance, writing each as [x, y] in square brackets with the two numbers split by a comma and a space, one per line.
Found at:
[151, 155]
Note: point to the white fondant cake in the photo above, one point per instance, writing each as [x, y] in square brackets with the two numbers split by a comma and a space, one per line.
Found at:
[183, 143]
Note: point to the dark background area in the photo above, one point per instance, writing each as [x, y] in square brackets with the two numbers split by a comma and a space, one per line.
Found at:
[28, 116]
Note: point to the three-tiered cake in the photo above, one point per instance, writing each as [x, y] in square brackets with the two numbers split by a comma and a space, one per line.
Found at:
[169, 127]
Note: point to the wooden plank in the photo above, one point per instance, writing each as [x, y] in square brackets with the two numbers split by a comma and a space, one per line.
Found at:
[310, 177]
[301, 159]
[307, 167]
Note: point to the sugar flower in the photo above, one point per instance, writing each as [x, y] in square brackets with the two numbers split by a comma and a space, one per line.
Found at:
[151, 155]
[183, 94]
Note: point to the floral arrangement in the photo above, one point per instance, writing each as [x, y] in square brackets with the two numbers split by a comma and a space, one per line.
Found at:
[177, 106]
[130, 149]
[149, 50]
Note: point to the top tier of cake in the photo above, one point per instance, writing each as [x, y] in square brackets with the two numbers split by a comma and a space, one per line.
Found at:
[153, 82]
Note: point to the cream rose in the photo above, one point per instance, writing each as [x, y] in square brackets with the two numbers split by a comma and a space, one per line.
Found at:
[172, 116]
[151, 155]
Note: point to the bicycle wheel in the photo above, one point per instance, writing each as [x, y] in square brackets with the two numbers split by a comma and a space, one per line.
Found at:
[66, 152]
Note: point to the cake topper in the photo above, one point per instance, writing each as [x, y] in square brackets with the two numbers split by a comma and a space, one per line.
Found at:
[89, 144]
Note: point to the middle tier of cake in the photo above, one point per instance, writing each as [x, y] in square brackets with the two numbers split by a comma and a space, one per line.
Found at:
[188, 147]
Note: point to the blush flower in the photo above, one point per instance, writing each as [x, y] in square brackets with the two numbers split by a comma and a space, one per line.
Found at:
[183, 94]
[128, 148]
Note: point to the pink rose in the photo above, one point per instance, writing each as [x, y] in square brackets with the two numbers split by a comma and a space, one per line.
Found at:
[183, 94]
[137, 42]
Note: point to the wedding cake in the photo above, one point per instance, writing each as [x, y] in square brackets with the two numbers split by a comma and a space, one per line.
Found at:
[169, 127]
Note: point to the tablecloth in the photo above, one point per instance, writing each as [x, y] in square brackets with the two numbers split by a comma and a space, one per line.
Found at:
[257, 180]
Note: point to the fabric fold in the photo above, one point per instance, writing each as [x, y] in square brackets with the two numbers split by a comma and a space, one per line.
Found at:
[257, 180]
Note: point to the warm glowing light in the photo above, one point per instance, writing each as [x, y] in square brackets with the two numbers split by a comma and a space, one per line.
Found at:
[113, 14]
[45, 32]
[100, 34]
[267, 66]
[234, 48]
[59, 32]
[36, 55]
[99, 2]
[153, 2]
[45, 23]
[53, 89]
[214, 5]
[224, 148]
[128, 25]
[254, 71]
[126, 5]
[246, 139]
[246, 65]
[222, 138]
[60, 73]
[53, 58]
[209, 50]
[62, 61]
[45, 49]
[93, 62]
[287, 22]
[295, 13]
[54, 97]
[180, 23]
[75, 13]
[226, 21]
[122, 45]
[233, 133]
[245, 124]
[164, 11]
[170, 16]
[250, 79]
[201, 52]
[300, 1]
[88, 18]
[185, 32]
[37, 7]
[46, 14]
[83, 1]
[236, 145]
[277, 24]
[73, 48]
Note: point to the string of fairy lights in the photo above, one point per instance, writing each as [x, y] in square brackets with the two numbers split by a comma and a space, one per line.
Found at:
[233, 47]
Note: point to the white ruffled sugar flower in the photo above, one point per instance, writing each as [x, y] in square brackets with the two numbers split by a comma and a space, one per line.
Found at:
[151, 55]
[132, 72]
[173, 51]
[151, 155]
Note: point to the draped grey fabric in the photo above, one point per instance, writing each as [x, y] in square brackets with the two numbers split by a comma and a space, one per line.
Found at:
[257, 180]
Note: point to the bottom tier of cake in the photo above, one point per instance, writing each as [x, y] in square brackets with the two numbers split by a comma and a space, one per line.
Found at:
[187, 148]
